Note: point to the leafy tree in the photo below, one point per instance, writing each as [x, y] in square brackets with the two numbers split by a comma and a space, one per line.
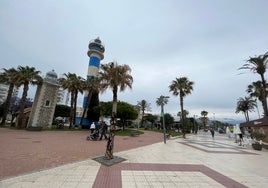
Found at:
[116, 77]
[25, 76]
[125, 111]
[181, 87]
[62, 111]
[245, 105]
[151, 118]
[143, 106]
[259, 65]
[169, 120]
[74, 84]
[8, 77]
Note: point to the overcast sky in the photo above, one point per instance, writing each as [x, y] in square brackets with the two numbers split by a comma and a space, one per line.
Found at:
[204, 40]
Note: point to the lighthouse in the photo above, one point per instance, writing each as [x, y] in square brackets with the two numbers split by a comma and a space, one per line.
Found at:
[95, 54]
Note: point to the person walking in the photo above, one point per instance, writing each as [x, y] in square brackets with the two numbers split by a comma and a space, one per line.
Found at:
[212, 132]
[92, 127]
[103, 128]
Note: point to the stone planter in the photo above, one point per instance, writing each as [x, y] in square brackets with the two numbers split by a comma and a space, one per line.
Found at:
[257, 146]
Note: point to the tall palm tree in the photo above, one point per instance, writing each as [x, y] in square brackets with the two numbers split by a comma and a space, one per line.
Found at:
[182, 87]
[116, 77]
[245, 105]
[142, 106]
[161, 101]
[259, 65]
[255, 91]
[25, 76]
[8, 77]
[74, 84]
[204, 118]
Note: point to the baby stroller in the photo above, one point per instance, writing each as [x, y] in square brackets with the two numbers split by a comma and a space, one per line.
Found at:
[93, 136]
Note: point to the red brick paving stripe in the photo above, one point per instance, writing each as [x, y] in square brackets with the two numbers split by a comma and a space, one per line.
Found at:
[111, 176]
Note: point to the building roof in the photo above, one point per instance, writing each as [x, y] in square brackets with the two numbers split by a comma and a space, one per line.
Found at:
[256, 123]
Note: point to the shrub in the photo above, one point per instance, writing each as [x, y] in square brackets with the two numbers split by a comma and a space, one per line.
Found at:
[258, 136]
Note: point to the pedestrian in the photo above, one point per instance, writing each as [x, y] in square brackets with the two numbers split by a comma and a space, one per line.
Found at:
[92, 127]
[240, 139]
[103, 128]
[212, 132]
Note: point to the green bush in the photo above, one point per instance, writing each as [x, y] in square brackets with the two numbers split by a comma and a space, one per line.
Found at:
[258, 136]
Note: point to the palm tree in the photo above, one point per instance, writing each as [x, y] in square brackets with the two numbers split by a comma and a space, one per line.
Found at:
[142, 106]
[74, 84]
[255, 91]
[259, 65]
[8, 77]
[116, 77]
[245, 105]
[185, 113]
[25, 76]
[161, 101]
[182, 87]
[204, 118]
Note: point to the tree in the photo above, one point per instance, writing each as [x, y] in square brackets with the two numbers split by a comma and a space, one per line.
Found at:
[8, 77]
[73, 84]
[245, 105]
[185, 114]
[259, 65]
[143, 105]
[169, 120]
[125, 111]
[151, 118]
[255, 91]
[161, 101]
[25, 76]
[204, 118]
[116, 77]
[62, 110]
[182, 87]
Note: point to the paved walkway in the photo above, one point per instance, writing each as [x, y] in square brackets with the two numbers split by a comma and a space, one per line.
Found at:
[198, 161]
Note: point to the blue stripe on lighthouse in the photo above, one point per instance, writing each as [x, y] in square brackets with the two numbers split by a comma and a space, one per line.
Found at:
[94, 61]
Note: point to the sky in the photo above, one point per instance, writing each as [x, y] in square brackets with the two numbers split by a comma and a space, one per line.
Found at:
[205, 41]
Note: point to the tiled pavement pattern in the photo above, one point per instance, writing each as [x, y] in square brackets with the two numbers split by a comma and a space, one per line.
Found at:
[198, 161]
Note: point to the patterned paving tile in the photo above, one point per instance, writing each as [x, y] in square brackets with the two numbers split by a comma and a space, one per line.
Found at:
[216, 147]
[149, 174]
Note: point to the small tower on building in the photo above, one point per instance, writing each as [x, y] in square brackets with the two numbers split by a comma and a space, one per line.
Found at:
[44, 103]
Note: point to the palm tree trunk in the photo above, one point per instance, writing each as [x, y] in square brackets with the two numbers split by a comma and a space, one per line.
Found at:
[7, 103]
[71, 111]
[182, 117]
[75, 104]
[110, 142]
[265, 110]
[21, 115]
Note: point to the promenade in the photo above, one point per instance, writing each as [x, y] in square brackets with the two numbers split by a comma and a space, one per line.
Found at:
[197, 161]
